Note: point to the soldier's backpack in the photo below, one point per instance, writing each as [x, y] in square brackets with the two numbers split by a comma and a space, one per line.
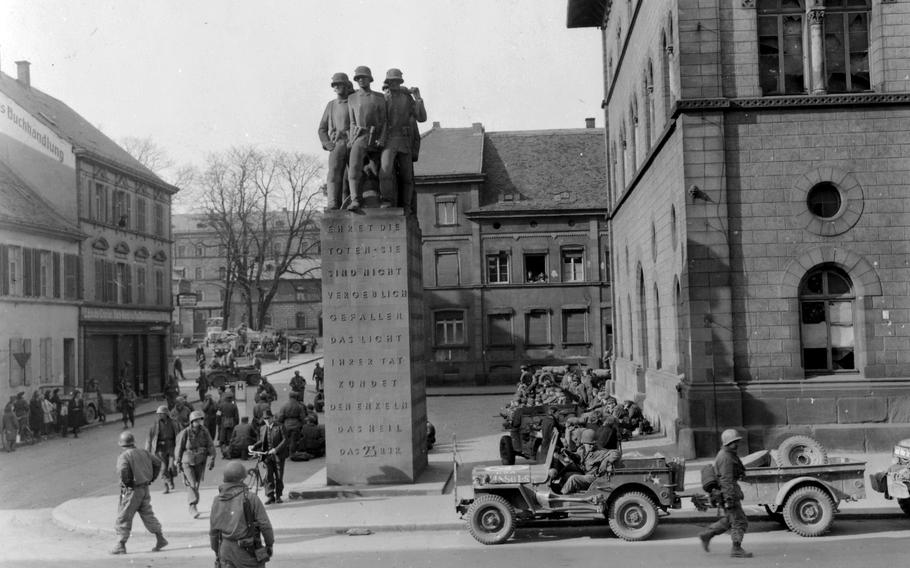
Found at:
[709, 480]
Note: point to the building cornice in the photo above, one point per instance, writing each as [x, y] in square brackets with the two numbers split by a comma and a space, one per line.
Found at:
[573, 212]
[449, 178]
[791, 101]
[101, 160]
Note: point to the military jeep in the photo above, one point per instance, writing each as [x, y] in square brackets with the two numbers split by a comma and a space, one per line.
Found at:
[895, 482]
[628, 498]
[530, 430]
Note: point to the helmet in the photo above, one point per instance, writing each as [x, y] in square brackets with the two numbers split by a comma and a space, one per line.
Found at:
[340, 78]
[234, 472]
[729, 436]
[196, 415]
[587, 437]
[161, 410]
[126, 440]
[394, 75]
[363, 71]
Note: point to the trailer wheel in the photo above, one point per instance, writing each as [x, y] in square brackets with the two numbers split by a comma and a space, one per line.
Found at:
[91, 413]
[296, 347]
[633, 516]
[491, 519]
[904, 505]
[506, 451]
[809, 511]
[801, 451]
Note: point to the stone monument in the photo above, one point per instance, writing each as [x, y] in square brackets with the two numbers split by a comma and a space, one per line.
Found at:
[375, 387]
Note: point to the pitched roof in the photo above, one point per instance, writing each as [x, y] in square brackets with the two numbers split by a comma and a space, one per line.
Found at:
[544, 169]
[70, 126]
[450, 152]
[22, 207]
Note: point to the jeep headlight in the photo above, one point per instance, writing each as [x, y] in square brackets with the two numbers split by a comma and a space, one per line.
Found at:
[901, 455]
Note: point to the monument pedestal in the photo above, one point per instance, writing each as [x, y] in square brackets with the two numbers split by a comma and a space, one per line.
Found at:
[373, 328]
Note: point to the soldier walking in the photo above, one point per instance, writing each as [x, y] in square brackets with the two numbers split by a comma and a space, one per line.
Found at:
[137, 468]
[730, 470]
[162, 440]
[194, 447]
[240, 532]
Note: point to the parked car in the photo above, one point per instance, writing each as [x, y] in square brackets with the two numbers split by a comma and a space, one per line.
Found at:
[91, 401]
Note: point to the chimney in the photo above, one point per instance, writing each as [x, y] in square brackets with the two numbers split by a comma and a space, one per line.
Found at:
[478, 128]
[589, 122]
[23, 74]
[436, 124]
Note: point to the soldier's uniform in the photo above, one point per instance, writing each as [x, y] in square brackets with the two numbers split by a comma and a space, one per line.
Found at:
[194, 447]
[403, 114]
[136, 468]
[729, 470]
[367, 112]
[333, 133]
[231, 532]
[161, 442]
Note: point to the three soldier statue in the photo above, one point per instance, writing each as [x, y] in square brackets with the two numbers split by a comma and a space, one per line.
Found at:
[372, 140]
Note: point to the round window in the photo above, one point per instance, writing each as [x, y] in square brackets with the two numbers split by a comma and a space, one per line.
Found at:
[824, 200]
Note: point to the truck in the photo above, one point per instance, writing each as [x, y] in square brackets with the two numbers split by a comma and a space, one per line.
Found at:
[629, 498]
[895, 481]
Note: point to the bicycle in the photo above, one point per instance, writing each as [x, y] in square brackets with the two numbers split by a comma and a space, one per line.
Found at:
[254, 478]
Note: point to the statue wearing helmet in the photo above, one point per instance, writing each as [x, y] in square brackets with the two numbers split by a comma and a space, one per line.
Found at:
[367, 117]
[333, 134]
[730, 470]
[405, 109]
[137, 469]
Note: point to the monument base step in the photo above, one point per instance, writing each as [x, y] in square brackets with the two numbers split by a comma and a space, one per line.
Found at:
[434, 480]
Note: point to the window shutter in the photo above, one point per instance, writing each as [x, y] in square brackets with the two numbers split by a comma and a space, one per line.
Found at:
[56, 264]
[99, 280]
[447, 269]
[574, 326]
[15, 371]
[127, 284]
[27, 375]
[26, 272]
[4, 270]
[500, 329]
[537, 328]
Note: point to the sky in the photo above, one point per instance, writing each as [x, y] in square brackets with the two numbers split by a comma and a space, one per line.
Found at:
[200, 76]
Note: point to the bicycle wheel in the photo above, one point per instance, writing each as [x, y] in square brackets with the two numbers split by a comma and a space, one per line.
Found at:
[254, 479]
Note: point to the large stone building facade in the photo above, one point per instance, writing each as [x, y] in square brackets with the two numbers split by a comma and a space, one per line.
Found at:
[200, 269]
[758, 155]
[91, 273]
[514, 251]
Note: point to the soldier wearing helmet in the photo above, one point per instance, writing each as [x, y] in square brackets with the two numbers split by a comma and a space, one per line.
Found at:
[228, 418]
[730, 470]
[404, 108]
[333, 133]
[137, 469]
[234, 501]
[161, 441]
[194, 447]
[590, 463]
[367, 114]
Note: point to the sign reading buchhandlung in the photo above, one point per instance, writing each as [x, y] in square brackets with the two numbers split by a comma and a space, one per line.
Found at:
[374, 373]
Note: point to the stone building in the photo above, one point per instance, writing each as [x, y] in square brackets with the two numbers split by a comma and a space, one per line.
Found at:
[758, 157]
[514, 250]
[200, 268]
[109, 257]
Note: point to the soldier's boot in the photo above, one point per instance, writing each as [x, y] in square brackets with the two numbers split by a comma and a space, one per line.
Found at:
[738, 551]
[705, 538]
[194, 512]
[120, 548]
[160, 542]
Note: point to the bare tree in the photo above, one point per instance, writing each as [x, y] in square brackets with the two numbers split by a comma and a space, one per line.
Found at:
[263, 206]
[151, 155]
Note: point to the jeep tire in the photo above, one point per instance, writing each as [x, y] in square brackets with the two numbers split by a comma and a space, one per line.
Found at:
[491, 519]
[633, 516]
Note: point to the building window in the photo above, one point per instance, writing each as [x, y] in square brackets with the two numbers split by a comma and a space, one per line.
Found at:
[101, 203]
[537, 328]
[498, 268]
[784, 37]
[200, 295]
[199, 273]
[141, 220]
[200, 250]
[267, 319]
[140, 285]
[824, 200]
[826, 321]
[445, 210]
[159, 220]
[780, 46]
[536, 267]
[449, 326]
[124, 284]
[44, 273]
[658, 339]
[447, 272]
[20, 369]
[575, 327]
[673, 236]
[500, 326]
[120, 213]
[159, 287]
[222, 273]
[300, 320]
[71, 280]
[847, 46]
[181, 250]
[573, 265]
